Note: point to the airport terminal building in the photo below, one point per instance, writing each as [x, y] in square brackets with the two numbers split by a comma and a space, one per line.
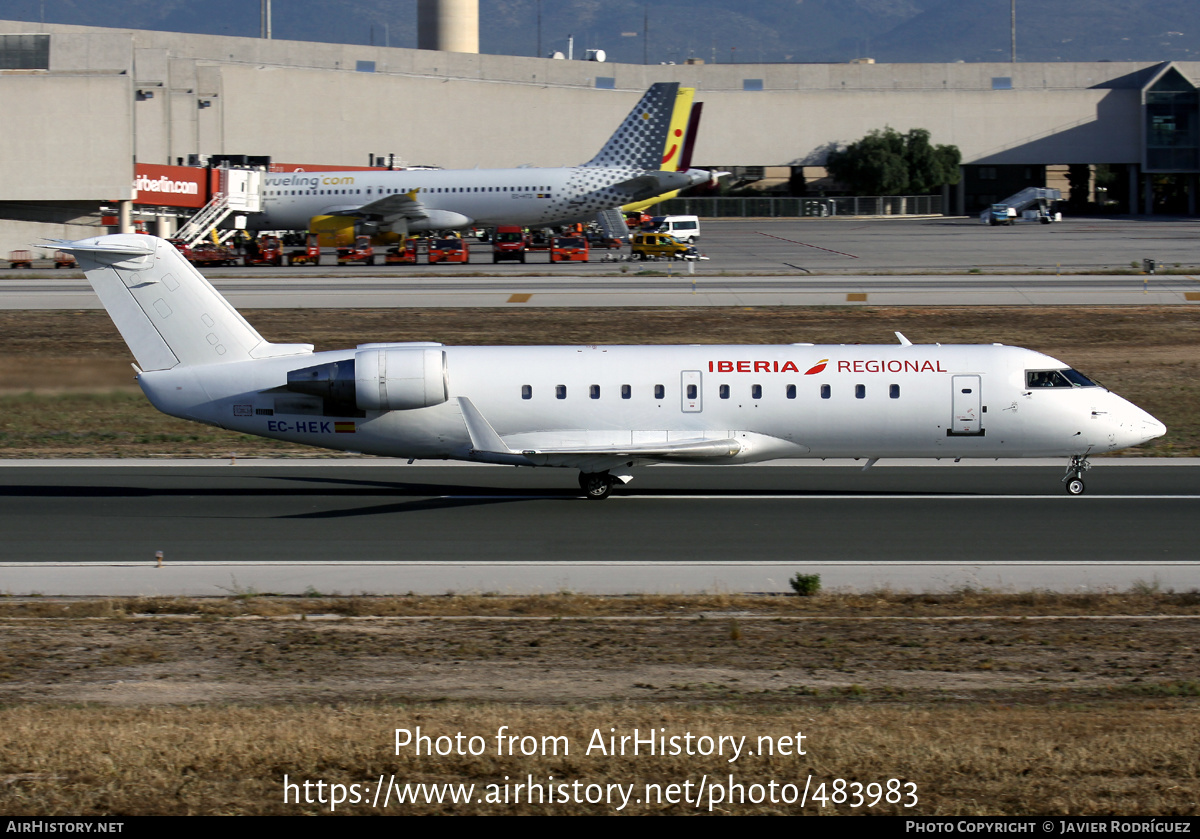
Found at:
[94, 118]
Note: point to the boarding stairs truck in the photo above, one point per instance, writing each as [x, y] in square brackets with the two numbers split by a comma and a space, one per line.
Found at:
[1033, 203]
[239, 194]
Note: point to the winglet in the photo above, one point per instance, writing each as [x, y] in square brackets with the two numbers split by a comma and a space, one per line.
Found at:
[904, 342]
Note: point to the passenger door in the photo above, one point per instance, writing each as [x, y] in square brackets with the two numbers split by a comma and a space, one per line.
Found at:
[967, 406]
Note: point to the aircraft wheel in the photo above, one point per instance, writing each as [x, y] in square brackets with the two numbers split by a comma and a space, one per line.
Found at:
[1075, 487]
[596, 485]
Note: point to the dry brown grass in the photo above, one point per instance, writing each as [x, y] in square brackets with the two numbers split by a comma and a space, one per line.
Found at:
[991, 704]
[876, 604]
[1129, 759]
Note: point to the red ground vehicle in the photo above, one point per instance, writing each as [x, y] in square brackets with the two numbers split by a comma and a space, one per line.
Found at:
[568, 249]
[361, 251]
[311, 255]
[637, 220]
[62, 259]
[448, 250]
[206, 253]
[404, 253]
[20, 259]
[182, 247]
[509, 243]
[265, 250]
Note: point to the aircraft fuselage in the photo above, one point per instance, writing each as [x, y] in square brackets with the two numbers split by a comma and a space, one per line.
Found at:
[784, 401]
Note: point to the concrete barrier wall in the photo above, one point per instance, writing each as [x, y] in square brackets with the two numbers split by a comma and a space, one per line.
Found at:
[112, 95]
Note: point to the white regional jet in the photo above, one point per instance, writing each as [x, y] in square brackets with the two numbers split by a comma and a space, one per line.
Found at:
[627, 169]
[599, 409]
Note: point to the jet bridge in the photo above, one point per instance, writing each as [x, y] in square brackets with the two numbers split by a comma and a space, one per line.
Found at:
[1033, 203]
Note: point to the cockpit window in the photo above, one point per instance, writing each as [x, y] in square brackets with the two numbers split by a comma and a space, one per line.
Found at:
[1078, 379]
[1056, 378]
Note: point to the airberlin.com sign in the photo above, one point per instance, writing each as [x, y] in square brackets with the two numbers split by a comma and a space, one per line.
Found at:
[170, 186]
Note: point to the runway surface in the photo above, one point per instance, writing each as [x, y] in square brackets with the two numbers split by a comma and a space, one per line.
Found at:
[383, 526]
[680, 289]
[752, 262]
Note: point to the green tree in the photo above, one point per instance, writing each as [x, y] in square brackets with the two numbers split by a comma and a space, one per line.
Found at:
[890, 163]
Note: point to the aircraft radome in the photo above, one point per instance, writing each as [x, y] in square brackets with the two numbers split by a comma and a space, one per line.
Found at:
[599, 409]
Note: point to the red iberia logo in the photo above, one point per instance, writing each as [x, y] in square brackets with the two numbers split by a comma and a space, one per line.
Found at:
[343, 428]
[817, 368]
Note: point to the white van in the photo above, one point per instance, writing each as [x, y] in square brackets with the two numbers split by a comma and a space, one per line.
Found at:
[684, 228]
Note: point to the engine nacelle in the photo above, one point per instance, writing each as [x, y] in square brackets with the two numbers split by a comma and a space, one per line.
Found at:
[378, 379]
[333, 231]
[397, 379]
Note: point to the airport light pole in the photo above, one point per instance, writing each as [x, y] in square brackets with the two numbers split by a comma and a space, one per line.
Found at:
[1014, 31]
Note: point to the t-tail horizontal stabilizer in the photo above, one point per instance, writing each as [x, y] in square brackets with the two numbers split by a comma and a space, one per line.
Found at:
[168, 314]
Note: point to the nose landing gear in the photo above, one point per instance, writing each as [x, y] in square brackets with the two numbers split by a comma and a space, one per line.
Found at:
[1073, 480]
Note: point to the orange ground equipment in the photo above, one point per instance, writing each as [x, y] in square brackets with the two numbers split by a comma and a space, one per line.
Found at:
[311, 255]
[265, 250]
[403, 253]
[569, 249]
[362, 251]
[20, 259]
[62, 259]
[448, 250]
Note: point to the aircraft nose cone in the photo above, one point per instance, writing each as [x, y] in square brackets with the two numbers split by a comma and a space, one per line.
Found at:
[1141, 427]
[1152, 428]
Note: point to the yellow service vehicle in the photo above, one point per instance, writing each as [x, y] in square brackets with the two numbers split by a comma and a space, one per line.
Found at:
[660, 245]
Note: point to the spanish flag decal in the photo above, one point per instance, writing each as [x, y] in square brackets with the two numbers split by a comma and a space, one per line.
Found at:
[817, 368]
[343, 427]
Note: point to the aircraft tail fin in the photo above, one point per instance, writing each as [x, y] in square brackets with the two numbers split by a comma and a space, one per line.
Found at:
[689, 140]
[677, 132]
[639, 142]
[166, 311]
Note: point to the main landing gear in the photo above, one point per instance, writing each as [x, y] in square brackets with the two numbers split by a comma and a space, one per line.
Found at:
[1073, 480]
[596, 486]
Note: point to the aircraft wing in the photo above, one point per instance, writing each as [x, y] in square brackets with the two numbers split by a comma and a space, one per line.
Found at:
[486, 444]
[641, 187]
[391, 207]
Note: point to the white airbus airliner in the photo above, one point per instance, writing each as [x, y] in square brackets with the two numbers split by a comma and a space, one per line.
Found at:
[599, 409]
[627, 169]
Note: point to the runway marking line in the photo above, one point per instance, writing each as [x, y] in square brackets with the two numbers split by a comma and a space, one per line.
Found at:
[805, 244]
[799, 496]
[605, 563]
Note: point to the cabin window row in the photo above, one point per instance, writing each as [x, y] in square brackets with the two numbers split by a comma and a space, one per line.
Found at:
[389, 191]
[560, 391]
[723, 391]
[860, 391]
